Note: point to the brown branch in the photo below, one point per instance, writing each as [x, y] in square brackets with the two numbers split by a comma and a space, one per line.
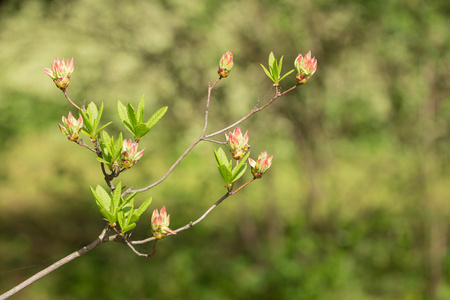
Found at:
[206, 137]
[191, 224]
[252, 112]
[68, 99]
[56, 265]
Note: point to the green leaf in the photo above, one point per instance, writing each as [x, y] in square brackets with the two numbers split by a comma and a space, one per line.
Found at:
[280, 65]
[271, 59]
[226, 174]
[141, 130]
[116, 199]
[97, 115]
[221, 158]
[127, 201]
[128, 227]
[87, 125]
[267, 73]
[140, 111]
[242, 165]
[156, 117]
[103, 198]
[103, 127]
[138, 212]
[131, 115]
[104, 161]
[122, 112]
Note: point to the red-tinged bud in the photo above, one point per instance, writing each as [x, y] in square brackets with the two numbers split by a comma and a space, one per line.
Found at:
[225, 65]
[237, 143]
[130, 155]
[60, 73]
[261, 165]
[160, 223]
[71, 126]
[306, 66]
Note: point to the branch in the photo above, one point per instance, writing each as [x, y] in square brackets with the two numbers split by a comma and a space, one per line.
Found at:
[56, 265]
[68, 99]
[204, 137]
[254, 111]
[191, 224]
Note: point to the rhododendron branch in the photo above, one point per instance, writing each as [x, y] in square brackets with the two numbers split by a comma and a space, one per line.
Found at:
[192, 224]
[242, 186]
[252, 112]
[68, 99]
[206, 138]
[101, 239]
[82, 143]
[210, 87]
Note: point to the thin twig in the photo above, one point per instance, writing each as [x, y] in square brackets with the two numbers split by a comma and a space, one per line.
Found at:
[82, 143]
[252, 112]
[206, 137]
[210, 87]
[68, 99]
[56, 265]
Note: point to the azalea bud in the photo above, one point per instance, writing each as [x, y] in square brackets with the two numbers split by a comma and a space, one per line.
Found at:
[130, 156]
[71, 126]
[237, 143]
[160, 223]
[225, 65]
[60, 73]
[306, 66]
[260, 166]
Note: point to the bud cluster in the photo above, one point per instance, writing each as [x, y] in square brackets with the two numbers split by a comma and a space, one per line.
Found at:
[306, 66]
[160, 224]
[130, 156]
[237, 143]
[71, 126]
[261, 165]
[60, 73]
[225, 65]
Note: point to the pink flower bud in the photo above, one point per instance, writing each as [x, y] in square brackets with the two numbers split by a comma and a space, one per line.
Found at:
[225, 65]
[160, 223]
[260, 166]
[237, 143]
[130, 156]
[306, 66]
[60, 73]
[71, 126]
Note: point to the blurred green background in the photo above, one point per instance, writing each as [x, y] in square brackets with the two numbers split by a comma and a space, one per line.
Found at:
[355, 206]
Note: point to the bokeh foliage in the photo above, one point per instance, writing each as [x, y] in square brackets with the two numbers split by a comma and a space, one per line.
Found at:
[355, 205]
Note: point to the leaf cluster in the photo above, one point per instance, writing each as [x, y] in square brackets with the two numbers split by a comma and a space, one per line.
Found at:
[91, 119]
[226, 170]
[274, 71]
[117, 209]
[134, 120]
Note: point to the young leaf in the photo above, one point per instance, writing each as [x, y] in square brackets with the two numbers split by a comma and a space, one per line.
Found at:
[116, 199]
[156, 117]
[239, 170]
[226, 174]
[131, 115]
[122, 112]
[267, 72]
[140, 130]
[221, 158]
[140, 111]
[138, 212]
[102, 197]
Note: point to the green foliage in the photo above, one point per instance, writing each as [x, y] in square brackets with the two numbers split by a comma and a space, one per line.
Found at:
[117, 209]
[359, 193]
[134, 120]
[226, 170]
[274, 72]
[111, 150]
[91, 120]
